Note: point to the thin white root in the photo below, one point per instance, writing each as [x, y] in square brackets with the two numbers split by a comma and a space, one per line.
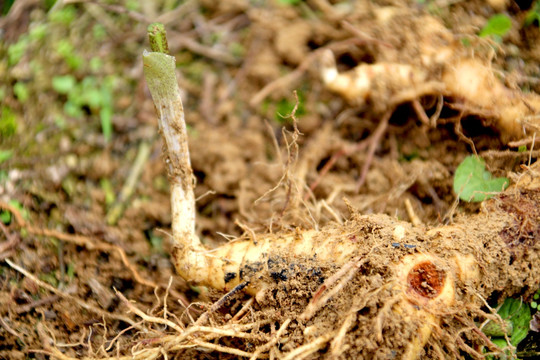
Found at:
[337, 347]
[304, 351]
[266, 347]
[326, 292]
[147, 317]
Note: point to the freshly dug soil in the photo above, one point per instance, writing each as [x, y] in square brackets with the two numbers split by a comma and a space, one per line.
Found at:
[66, 271]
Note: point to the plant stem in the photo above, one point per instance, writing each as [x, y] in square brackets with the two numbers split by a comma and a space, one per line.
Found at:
[159, 71]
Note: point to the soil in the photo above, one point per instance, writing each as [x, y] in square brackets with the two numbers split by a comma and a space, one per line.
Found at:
[67, 265]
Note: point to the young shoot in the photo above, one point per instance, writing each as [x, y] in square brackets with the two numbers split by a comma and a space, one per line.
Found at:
[473, 183]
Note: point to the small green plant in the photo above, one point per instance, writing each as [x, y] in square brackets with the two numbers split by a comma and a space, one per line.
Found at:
[533, 15]
[89, 93]
[473, 183]
[497, 26]
[534, 302]
[70, 272]
[21, 91]
[5, 215]
[516, 315]
[8, 122]
[16, 51]
[50, 278]
[66, 50]
[38, 32]
[5, 155]
[285, 107]
[157, 243]
[65, 15]
[99, 32]
[108, 189]
[237, 49]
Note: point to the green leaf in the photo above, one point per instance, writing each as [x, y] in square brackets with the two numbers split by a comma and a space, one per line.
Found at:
[132, 5]
[285, 107]
[474, 184]
[107, 188]
[106, 122]
[497, 25]
[72, 109]
[157, 243]
[237, 49]
[519, 314]
[99, 32]
[65, 15]
[5, 215]
[65, 48]
[21, 91]
[8, 122]
[49, 278]
[38, 32]
[70, 271]
[5, 155]
[501, 344]
[496, 329]
[74, 61]
[16, 51]
[96, 64]
[93, 98]
[67, 51]
[60, 121]
[63, 84]
[533, 14]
